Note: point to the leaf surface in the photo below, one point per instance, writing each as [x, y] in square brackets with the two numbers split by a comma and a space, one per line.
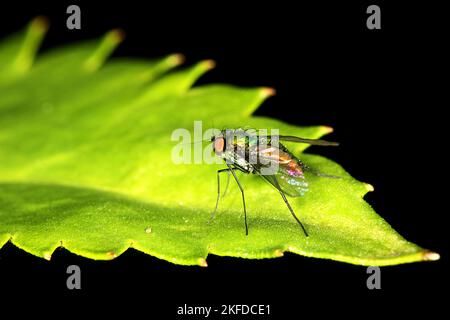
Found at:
[86, 163]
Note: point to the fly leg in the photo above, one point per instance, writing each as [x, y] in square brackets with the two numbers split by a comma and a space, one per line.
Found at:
[218, 191]
[228, 183]
[243, 197]
[277, 185]
[293, 214]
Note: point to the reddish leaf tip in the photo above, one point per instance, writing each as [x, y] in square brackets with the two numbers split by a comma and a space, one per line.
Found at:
[111, 254]
[176, 59]
[209, 64]
[430, 256]
[327, 129]
[267, 92]
[117, 35]
[279, 253]
[202, 262]
[40, 24]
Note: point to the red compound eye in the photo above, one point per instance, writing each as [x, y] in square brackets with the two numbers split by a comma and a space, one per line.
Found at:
[219, 144]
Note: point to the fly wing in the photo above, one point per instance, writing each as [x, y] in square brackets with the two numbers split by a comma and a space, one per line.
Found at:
[308, 141]
[292, 186]
[285, 173]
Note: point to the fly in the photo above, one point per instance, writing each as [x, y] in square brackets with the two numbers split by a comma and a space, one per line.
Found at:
[245, 151]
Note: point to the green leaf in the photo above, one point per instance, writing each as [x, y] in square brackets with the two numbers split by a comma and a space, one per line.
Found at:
[86, 163]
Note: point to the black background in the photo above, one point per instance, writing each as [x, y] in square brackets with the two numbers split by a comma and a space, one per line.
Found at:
[383, 91]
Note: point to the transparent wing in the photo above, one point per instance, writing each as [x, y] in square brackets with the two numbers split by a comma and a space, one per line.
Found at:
[308, 141]
[282, 170]
[292, 186]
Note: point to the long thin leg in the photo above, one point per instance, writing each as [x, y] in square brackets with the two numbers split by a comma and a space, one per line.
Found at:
[243, 198]
[226, 186]
[277, 185]
[218, 191]
[293, 214]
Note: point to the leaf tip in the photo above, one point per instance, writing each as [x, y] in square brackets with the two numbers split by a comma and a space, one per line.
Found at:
[196, 72]
[430, 256]
[279, 253]
[35, 33]
[208, 64]
[116, 36]
[369, 187]
[326, 129]
[202, 262]
[40, 24]
[107, 45]
[176, 59]
[111, 254]
[261, 94]
[47, 256]
[267, 92]
[203, 66]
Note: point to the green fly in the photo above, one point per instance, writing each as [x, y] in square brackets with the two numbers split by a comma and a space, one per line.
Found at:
[248, 152]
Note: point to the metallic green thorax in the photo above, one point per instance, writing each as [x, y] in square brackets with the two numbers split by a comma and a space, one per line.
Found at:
[249, 152]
